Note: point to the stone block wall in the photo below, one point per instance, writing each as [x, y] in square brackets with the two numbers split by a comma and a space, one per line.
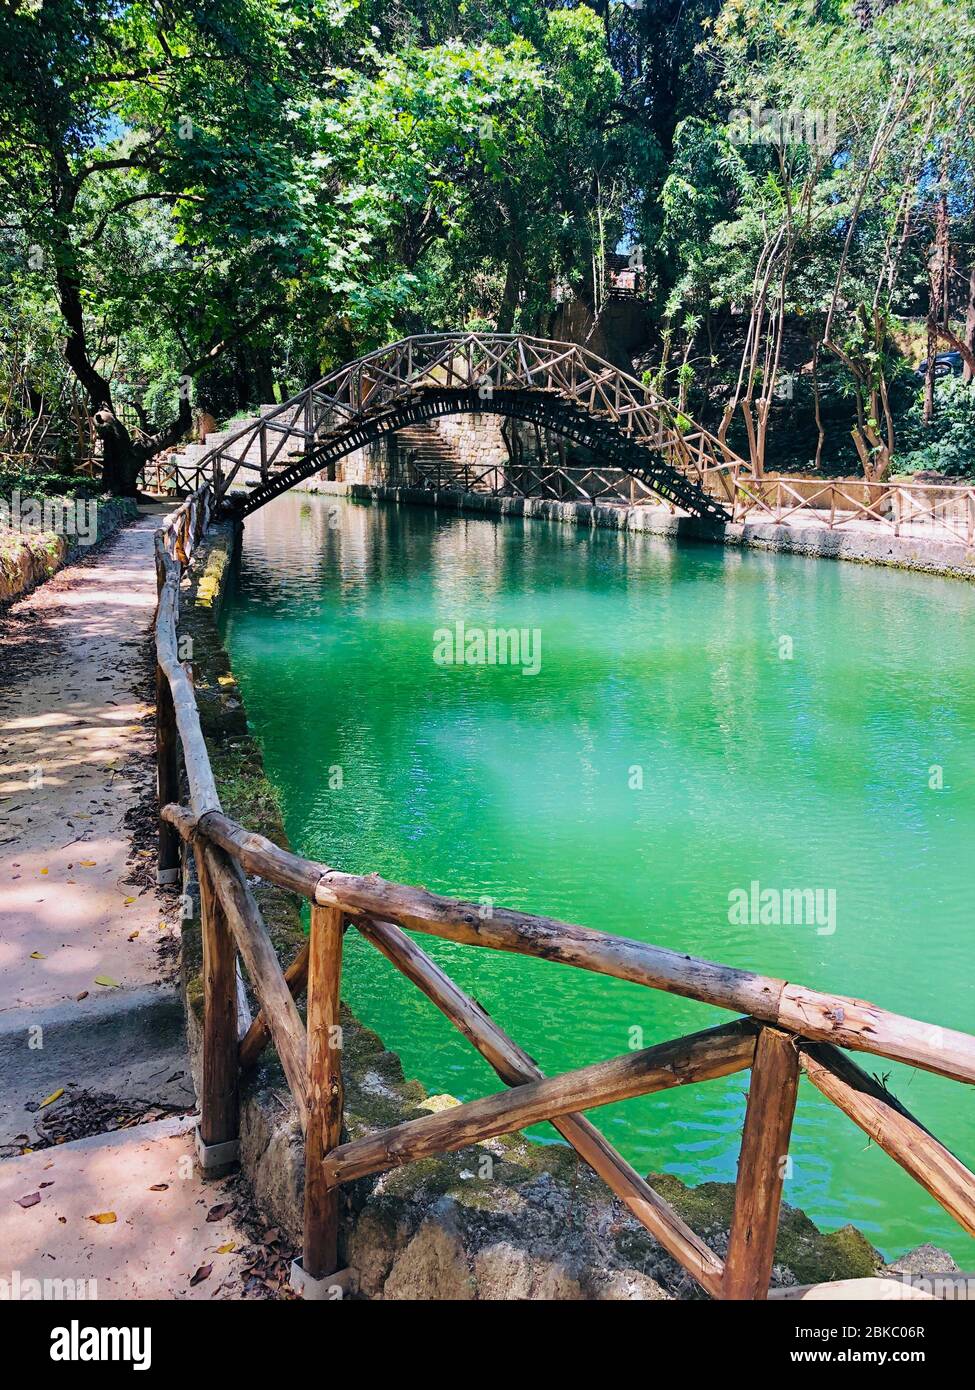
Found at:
[475, 439]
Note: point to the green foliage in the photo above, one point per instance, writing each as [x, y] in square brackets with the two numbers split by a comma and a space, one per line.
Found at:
[945, 445]
[216, 202]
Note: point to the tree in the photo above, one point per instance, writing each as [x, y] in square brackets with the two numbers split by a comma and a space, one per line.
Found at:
[157, 170]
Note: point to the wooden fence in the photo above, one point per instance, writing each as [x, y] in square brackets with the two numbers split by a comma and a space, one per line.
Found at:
[942, 510]
[786, 1029]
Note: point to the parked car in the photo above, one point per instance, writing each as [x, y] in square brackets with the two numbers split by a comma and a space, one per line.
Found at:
[945, 364]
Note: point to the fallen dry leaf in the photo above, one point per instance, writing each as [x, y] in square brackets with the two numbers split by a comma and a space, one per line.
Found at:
[107, 981]
[159, 1187]
[38, 955]
[104, 1218]
[87, 863]
[218, 1212]
[31, 1200]
[133, 935]
[226, 1249]
[49, 1100]
[202, 1273]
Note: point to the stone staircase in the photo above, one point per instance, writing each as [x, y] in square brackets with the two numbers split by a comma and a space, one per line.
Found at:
[186, 457]
[428, 461]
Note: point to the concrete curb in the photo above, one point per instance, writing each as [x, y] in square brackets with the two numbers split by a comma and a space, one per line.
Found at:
[129, 1044]
[119, 1014]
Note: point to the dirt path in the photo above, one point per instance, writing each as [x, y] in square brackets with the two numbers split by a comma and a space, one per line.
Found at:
[76, 745]
[87, 943]
[96, 1095]
[160, 1232]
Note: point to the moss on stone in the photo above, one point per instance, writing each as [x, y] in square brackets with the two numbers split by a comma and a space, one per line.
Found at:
[813, 1257]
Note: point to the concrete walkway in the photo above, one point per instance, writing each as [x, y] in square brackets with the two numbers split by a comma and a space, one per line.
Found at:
[84, 999]
[153, 1236]
[89, 1016]
[75, 742]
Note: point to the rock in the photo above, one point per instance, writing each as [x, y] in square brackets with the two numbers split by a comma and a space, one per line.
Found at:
[272, 1155]
[554, 1281]
[506, 1271]
[924, 1259]
[436, 1103]
[619, 1285]
[377, 1238]
[503, 1271]
[864, 1290]
[433, 1266]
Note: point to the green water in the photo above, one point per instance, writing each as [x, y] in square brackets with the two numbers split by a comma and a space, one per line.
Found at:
[812, 771]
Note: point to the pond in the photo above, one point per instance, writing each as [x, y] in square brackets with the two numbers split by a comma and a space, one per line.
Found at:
[680, 735]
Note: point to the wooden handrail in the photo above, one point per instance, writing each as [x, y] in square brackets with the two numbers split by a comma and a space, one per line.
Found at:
[515, 1067]
[787, 1027]
[851, 1023]
[697, 1057]
[882, 1117]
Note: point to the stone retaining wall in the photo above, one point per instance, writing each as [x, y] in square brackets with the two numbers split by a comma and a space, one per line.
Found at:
[28, 558]
[475, 439]
[948, 558]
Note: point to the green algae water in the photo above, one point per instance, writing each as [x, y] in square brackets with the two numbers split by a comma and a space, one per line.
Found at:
[707, 729]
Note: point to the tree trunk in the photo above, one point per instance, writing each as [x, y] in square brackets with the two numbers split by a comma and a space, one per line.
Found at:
[938, 266]
[512, 288]
[121, 458]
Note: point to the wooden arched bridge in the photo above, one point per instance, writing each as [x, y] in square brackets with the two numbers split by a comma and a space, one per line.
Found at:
[558, 386]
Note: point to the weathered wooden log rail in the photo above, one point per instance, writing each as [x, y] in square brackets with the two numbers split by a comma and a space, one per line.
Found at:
[942, 510]
[786, 1030]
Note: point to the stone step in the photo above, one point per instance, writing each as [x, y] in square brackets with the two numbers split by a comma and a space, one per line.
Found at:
[153, 1234]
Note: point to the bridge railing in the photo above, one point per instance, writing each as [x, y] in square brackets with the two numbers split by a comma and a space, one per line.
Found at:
[484, 363]
[530, 476]
[897, 508]
[786, 1030]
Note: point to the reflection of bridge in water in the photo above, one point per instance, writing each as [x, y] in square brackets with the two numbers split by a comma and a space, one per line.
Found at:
[558, 387]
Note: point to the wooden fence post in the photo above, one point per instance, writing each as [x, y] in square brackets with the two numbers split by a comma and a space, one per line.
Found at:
[324, 1132]
[167, 779]
[761, 1165]
[167, 765]
[219, 1130]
